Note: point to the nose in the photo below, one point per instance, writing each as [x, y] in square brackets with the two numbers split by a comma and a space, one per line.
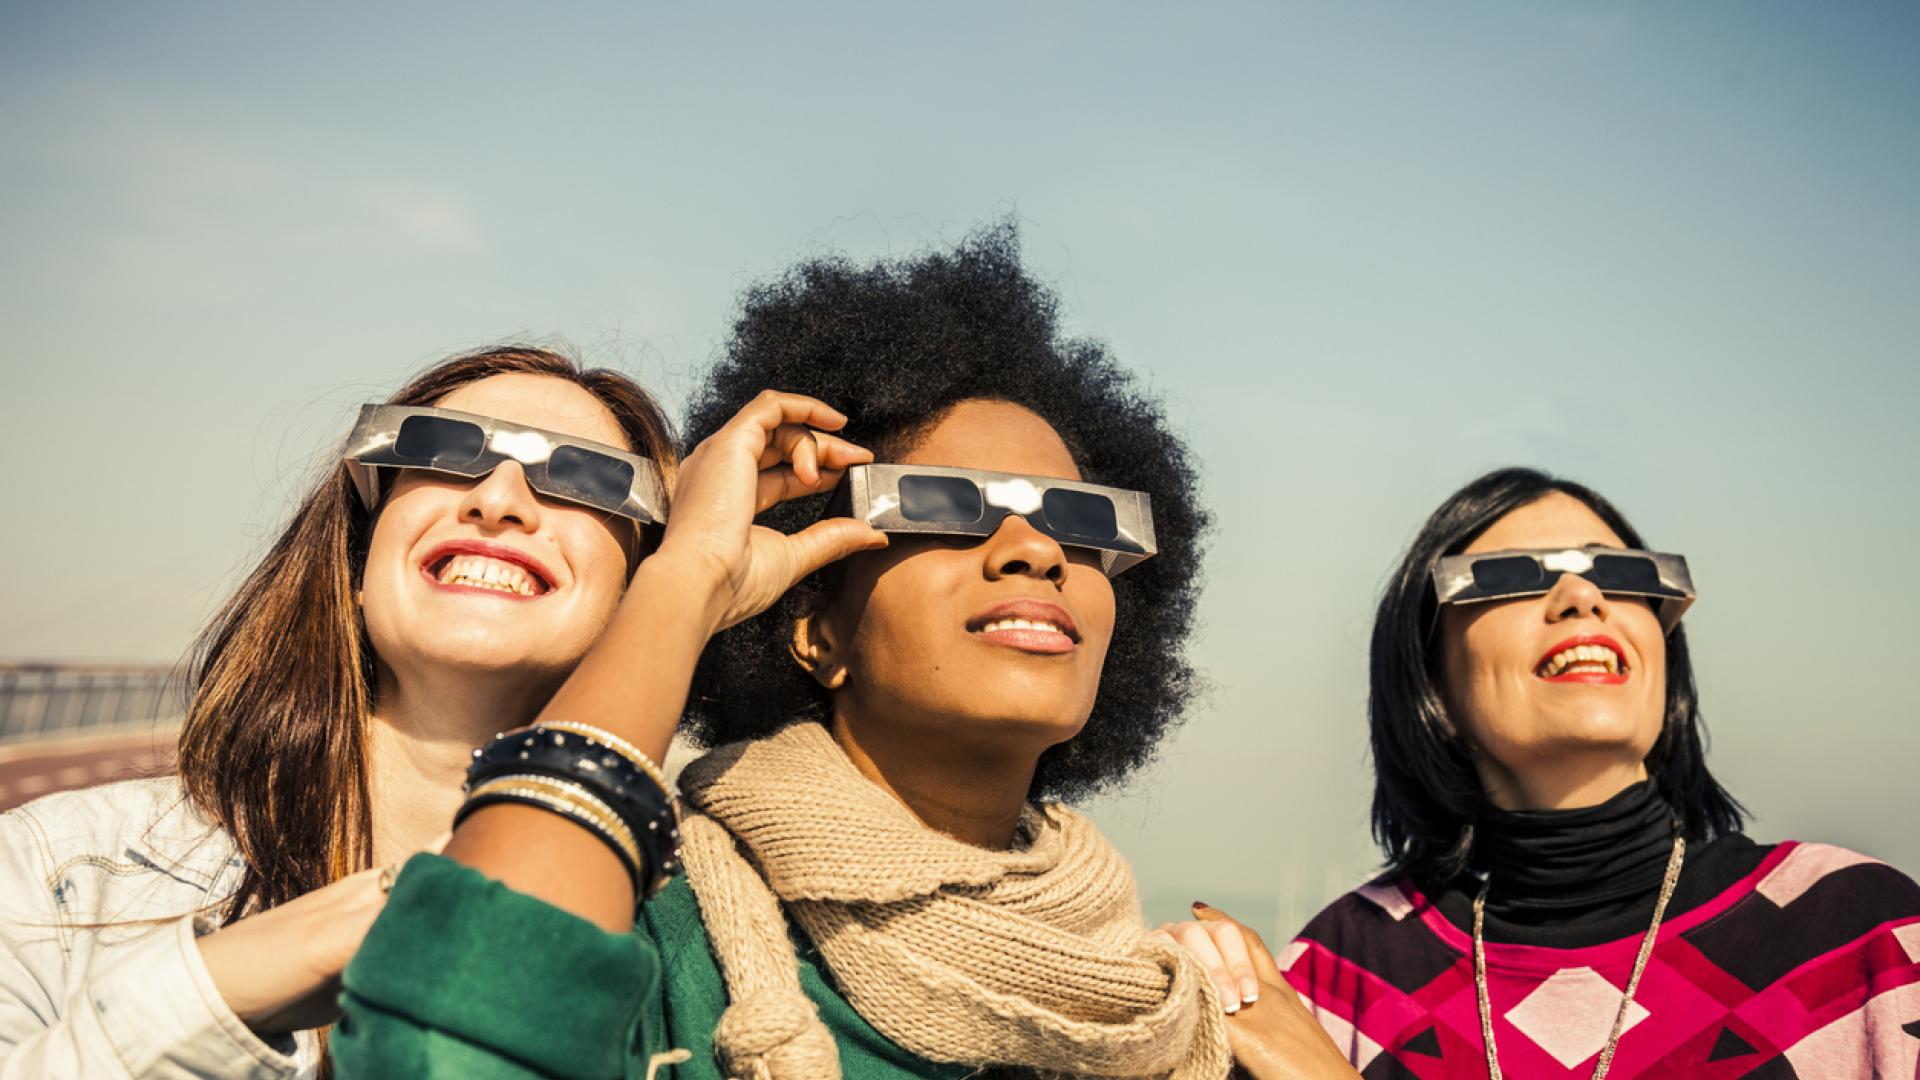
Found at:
[1574, 597]
[502, 500]
[1017, 549]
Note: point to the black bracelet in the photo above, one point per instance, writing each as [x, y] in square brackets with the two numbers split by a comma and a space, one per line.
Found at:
[636, 797]
[568, 800]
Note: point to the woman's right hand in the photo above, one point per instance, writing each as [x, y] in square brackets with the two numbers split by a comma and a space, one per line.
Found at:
[279, 970]
[778, 447]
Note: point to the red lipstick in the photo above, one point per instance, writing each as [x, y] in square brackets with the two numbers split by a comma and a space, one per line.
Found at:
[1598, 678]
[438, 557]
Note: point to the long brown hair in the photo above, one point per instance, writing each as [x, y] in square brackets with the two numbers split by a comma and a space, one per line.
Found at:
[273, 747]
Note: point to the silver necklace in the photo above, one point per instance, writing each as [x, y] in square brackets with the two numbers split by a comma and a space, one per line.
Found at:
[1633, 981]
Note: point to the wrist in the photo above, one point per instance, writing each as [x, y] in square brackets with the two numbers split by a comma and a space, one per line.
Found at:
[688, 583]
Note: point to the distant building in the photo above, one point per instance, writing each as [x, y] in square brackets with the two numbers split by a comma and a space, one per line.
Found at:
[65, 726]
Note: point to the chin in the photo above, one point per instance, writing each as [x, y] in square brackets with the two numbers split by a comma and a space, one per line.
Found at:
[488, 654]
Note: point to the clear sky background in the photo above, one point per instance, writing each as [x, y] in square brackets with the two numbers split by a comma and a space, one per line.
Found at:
[1367, 251]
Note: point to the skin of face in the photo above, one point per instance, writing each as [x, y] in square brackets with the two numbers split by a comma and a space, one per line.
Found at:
[416, 622]
[1543, 744]
[906, 635]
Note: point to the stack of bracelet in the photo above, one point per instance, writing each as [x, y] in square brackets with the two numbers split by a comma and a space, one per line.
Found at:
[593, 778]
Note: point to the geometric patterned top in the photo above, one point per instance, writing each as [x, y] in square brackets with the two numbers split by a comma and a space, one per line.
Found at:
[1805, 965]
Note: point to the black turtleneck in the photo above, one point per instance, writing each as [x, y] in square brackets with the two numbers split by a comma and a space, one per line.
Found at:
[1574, 878]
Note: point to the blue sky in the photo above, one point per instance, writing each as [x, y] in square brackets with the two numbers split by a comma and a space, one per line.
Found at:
[1366, 250]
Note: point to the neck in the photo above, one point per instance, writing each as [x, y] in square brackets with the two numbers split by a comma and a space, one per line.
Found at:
[1564, 862]
[972, 794]
[1565, 782]
[422, 735]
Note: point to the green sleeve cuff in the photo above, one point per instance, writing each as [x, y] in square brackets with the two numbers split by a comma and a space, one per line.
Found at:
[459, 963]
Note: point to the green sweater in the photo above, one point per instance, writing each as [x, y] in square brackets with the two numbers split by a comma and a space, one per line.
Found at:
[463, 977]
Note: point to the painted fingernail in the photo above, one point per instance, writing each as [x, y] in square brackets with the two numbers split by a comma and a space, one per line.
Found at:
[1249, 991]
[1202, 905]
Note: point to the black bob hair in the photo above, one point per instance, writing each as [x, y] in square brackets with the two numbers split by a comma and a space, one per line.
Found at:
[895, 345]
[1426, 793]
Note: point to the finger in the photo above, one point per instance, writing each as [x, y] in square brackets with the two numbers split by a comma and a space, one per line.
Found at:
[780, 483]
[771, 408]
[1233, 950]
[838, 453]
[835, 538]
[783, 440]
[1196, 940]
[1264, 967]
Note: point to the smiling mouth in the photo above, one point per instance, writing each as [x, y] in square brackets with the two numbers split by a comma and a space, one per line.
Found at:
[486, 574]
[1029, 626]
[1589, 661]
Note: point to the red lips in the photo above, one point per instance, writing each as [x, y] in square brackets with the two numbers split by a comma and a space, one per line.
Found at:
[1600, 678]
[436, 558]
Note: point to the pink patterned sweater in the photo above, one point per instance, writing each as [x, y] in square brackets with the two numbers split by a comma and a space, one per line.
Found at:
[1807, 965]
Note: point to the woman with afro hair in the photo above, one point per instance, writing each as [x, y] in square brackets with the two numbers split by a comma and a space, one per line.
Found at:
[880, 880]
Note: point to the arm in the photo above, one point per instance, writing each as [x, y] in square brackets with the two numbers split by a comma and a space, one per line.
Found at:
[149, 1010]
[476, 966]
[714, 568]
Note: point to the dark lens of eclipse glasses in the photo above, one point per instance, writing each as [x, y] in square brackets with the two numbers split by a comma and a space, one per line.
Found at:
[437, 439]
[1080, 513]
[1626, 573]
[1512, 573]
[582, 474]
[951, 499]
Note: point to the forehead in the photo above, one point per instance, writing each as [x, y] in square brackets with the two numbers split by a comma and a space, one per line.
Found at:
[1556, 521]
[540, 401]
[997, 436]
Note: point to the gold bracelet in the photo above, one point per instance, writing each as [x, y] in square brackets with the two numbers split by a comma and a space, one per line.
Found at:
[620, 746]
[569, 800]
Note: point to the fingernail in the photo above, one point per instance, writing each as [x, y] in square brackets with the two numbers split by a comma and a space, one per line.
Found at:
[1202, 905]
[1232, 1007]
[1249, 991]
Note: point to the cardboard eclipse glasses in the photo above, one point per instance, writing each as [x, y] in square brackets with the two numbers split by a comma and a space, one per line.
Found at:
[933, 500]
[563, 467]
[892, 498]
[1506, 575]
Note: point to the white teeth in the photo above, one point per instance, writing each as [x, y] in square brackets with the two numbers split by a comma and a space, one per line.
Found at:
[1591, 659]
[480, 572]
[1019, 624]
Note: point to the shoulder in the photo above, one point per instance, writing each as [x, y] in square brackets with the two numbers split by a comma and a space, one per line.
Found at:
[1824, 874]
[82, 848]
[1811, 902]
[1377, 929]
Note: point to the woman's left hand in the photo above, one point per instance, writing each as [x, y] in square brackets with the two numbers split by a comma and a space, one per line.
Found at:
[1272, 1034]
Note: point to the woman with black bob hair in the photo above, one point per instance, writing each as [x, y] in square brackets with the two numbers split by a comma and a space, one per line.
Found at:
[1568, 892]
[989, 614]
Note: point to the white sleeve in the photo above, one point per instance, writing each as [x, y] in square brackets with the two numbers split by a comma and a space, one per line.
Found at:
[150, 1012]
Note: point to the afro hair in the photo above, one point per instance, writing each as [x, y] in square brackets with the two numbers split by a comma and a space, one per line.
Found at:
[894, 345]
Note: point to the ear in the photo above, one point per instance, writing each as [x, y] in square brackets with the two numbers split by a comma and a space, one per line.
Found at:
[815, 648]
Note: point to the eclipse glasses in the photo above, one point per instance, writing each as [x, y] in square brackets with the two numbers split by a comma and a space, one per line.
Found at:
[563, 467]
[1505, 575]
[932, 500]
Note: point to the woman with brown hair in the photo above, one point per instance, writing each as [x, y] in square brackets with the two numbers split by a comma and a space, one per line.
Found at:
[434, 587]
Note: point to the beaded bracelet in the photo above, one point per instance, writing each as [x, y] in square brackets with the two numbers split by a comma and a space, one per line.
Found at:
[570, 801]
[623, 779]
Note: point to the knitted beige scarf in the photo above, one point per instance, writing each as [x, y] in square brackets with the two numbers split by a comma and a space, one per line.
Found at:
[1034, 957]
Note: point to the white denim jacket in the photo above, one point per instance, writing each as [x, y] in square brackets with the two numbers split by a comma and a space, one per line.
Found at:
[100, 978]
